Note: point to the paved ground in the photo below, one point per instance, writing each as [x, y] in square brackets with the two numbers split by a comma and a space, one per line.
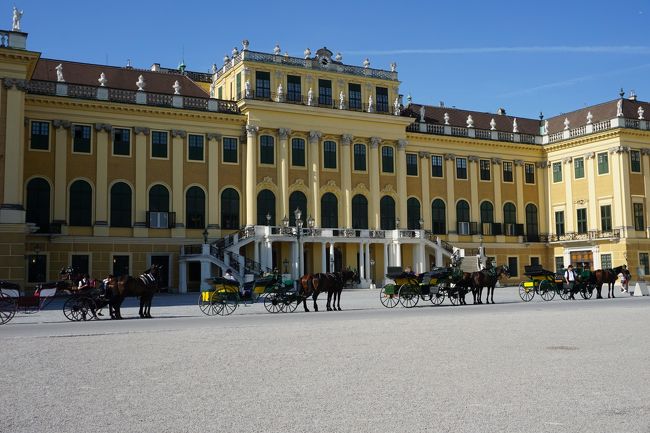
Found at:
[581, 366]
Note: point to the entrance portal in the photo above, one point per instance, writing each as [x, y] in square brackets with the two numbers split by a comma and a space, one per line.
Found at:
[582, 259]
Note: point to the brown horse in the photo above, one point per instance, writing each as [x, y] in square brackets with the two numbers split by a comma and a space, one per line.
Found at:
[343, 277]
[464, 285]
[145, 286]
[313, 284]
[609, 277]
[488, 279]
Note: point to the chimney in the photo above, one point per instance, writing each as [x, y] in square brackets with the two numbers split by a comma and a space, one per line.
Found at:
[155, 67]
[501, 111]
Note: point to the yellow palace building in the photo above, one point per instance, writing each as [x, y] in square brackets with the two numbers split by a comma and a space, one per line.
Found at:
[110, 169]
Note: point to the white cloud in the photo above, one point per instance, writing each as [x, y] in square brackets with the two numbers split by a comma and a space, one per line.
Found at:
[623, 49]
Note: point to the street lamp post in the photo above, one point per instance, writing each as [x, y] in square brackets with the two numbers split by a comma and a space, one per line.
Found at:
[205, 235]
[298, 214]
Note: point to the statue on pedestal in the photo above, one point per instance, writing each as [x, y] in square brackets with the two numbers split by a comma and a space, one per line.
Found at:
[15, 26]
[59, 73]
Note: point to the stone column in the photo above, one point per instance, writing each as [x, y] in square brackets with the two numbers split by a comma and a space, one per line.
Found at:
[346, 180]
[205, 274]
[182, 277]
[283, 171]
[373, 205]
[314, 175]
[60, 169]
[592, 215]
[361, 269]
[519, 182]
[621, 177]
[251, 174]
[368, 275]
[385, 261]
[543, 210]
[425, 176]
[450, 175]
[401, 182]
[213, 200]
[646, 180]
[104, 143]
[474, 204]
[330, 265]
[323, 262]
[569, 215]
[12, 210]
[178, 190]
[140, 151]
[398, 254]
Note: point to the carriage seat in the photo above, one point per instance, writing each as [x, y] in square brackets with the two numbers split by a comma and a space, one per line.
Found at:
[536, 271]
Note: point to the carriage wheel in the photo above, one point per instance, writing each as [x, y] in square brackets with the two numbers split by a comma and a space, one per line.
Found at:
[289, 304]
[546, 290]
[454, 297]
[78, 308]
[273, 303]
[205, 304]
[587, 292]
[564, 293]
[438, 298]
[526, 293]
[7, 308]
[228, 303]
[408, 295]
[388, 296]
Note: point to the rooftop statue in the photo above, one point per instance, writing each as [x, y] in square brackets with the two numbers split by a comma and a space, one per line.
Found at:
[493, 124]
[177, 88]
[140, 83]
[59, 73]
[307, 53]
[566, 123]
[545, 127]
[470, 121]
[235, 52]
[338, 57]
[212, 85]
[247, 88]
[515, 127]
[366, 63]
[446, 118]
[277, 50]
[589, 118]
[15, 25]
[619, 108]
[409, 100]
[371, 109]
[341, 101]
[397, 110]
[310, 97]
[393, 67]
[422, 112]
[102, 80]
[640, 111]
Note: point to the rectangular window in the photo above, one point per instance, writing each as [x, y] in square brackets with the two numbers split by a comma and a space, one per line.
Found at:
[359, 157]
[220, 92]
[484, 165]
[80, 263]
[354, 96]
[325, 92]
[579, 168]
[195, 147]
[534, 261]
[644, 262]
[159, 144]
[605, 261]
[238, 85]
[411, 164]
[557, 172]
[329, 154]
[635, 161]
[559, 223]
[294, 88]
[461, 168]
[298, 152]
[267, 149]
[121, 141]
[559, 264]
[387, 165]
[529, 172]
[436, 165]
[603, 163]
[639, 224]
[581, 216]
[606, 218]
[382, 99]
[81, 138]
[263, 85]
[507, 171]
[513, 266]
[40, 136]
[229, 149]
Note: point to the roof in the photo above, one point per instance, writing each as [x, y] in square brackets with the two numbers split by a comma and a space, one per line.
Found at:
[118, 77]
[458, 117]
[600, 112]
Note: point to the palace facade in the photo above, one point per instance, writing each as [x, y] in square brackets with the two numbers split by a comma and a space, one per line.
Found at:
[110, 169]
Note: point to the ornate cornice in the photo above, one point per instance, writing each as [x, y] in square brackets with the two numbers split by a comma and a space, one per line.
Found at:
[496, 161]
[645, 151]
[141, 130]
[346, 139]
[619, 149]
[590, 155]
[519, 162]
[179, 133]
[8, 83]
[103, 127]
[375, 142]
[424, 154]
[567, 160]
[449, 156]
[284, 133]
[213, 136]
[315, 136]
[542, 164]
[473, 158]
[65, 124]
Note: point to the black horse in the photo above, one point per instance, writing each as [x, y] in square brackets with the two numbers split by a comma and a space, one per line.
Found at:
[311, 285]
[488, 278]
[144, 286]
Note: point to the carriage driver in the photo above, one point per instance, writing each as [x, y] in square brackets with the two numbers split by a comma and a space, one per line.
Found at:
[570, 278]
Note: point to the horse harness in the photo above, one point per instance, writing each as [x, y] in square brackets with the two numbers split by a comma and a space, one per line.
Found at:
[148, 279]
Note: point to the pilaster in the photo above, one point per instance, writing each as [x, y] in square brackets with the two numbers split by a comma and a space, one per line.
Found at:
[178, 191]
[12, 209]
[425, 176]
[213, 202]
[283, 170]
[60, 169]
[104, 136]
[140, 152]
[591, 191]
[452, 227]
[519, 181]
[474, 207]
[401, 182]
[314, 175]
[251, 174]
[346, 179]
[373, 205]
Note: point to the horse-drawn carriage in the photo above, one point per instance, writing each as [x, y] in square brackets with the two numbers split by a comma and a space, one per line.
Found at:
[547, 283]
[13, 300]
[225, 295]
[408, 288]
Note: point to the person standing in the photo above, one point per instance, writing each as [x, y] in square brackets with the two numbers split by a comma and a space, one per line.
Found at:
[624, 281]
[570, 278]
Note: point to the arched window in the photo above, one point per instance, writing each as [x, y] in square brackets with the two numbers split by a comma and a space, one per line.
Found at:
[229, 209]
[487, 212]
[329, 211]
[387, 163]
[413, 214]
[359, 212]
[509, 214]
[297, 200]
[38, 204]
[438, 217]
[267, 149]
[81, 204]
[387, 213]
[120, 205]
[532, 229]
[265, 206]
[159, 198]
[195, 208]
[462, 217]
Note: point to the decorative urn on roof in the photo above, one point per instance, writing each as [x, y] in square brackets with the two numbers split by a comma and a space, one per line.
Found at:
[102, 80]
[470, 121]
[140, 83]
[245, 44]
[493, 124]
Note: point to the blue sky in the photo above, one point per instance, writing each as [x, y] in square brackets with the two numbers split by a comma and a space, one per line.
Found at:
[550, 56]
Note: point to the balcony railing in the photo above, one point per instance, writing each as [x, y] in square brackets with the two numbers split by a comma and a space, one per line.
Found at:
[161, 220]
[586, 236]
